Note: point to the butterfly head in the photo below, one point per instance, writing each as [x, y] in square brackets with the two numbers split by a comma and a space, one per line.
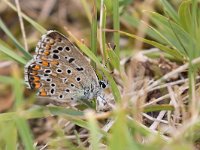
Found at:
[103, 84]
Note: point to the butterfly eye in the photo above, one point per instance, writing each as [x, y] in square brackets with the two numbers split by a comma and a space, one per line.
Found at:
[102, 84]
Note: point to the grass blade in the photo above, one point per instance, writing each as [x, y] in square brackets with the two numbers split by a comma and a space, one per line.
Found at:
[6, 80]
[94, 130]
[11, 136]
[102, 33]
[94, 31]
[116, 25]
[114, 60]
[31, 21]
[17, 44]
[87, 10]
[170, 10]
[25, 133]
[170, 51]
[135, 22]
[12, 54]
[185, 16]
[158, 108]
[120, 129]
[175, 34]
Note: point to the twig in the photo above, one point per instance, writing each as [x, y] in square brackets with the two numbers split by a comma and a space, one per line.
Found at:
[21, 24]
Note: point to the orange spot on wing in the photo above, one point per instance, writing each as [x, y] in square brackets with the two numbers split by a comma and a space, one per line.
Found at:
[37, 85]
[43, 58]
[43, 92]
[54, 62]
[48, 47]
[36, 78]
[36, 67]
[45, 63]
[46, 52]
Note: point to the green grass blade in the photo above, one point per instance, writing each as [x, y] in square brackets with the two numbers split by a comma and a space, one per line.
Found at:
[12, 54]
[28, 19]
[6, 80]
[120, 138]
[114, 59]
[104, 34]
[7, 116]
[11, 136]
[175, 34]
[185, 15]
[84, 124]
[113, 86]
[87, 10]
[25, 133]
[61, 110]
[94, 130]
[158, 108]
[39, 112]
[116, 25]
[194, 9]
[135, 22]
[85, 49]
[94, 30]
[18, 89]
[165, 28]
[170, 51]
[170, 10]
[17, 44]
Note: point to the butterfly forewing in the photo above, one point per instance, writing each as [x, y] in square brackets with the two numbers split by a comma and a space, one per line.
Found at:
[59, 70]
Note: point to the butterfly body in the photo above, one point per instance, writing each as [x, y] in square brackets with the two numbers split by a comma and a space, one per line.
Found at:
[60, 71]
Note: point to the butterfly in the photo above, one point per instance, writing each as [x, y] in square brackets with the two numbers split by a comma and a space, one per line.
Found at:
[59, 71]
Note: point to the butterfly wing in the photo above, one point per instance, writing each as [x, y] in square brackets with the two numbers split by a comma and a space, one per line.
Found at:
[60, 71]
